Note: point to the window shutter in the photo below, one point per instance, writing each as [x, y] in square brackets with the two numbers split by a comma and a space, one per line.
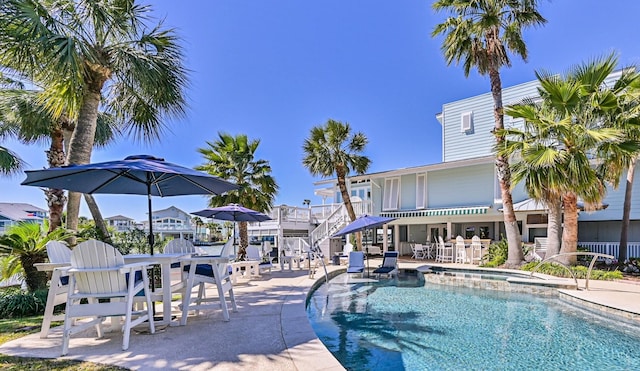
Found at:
[466, 122]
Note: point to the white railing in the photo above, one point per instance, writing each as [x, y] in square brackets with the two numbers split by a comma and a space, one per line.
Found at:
[284, 213]
[612, 248]
[330, 225]
[322, 212]
[294, 245]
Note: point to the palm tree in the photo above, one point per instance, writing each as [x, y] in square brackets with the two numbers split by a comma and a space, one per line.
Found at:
[28, 241]
[332, 149]
[198, 223]
[626, 117]
[565, 130]
[90, 54]
[10, 163]
[481, 33]
[234, 159]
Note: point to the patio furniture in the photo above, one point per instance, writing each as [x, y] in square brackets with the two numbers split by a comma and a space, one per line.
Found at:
[445, 251]
[253, 255]
[418, 251]
[59, 257]
[476, 250]
[101, 285]
[356, 262]
[170, 284]
[208, 270]
[389, 264]
[461, 250]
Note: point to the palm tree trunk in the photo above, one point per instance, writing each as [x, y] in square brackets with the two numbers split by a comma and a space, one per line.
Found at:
[554, 223]
[515, 256]
[55, 197]
[34, 278]
[82, 140]
[570, 231]
[626, 211]
[101, 226]
[342, 185]
[244, 239]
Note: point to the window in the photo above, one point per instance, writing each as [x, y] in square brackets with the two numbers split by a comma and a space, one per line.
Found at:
[466, 122]
[421, 191]
[391, 197]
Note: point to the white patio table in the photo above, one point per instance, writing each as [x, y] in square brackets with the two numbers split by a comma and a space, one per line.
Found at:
[165, 261]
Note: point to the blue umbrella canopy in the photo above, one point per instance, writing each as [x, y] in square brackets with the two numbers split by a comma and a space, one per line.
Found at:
[140, 175]
[362, 223]
[233, 212]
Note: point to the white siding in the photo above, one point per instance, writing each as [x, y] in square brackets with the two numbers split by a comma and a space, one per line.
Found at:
[478, 141]
[469, 186]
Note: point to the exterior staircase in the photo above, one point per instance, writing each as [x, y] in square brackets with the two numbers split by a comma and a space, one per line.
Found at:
[337, 220]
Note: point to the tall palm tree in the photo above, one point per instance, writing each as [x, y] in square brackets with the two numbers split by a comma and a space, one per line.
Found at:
[234, 159]
[90, 54]
[565, 130]
[331, 149]
[615, 162]
[481, 33]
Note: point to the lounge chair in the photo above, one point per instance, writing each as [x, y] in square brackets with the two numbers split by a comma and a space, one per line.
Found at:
[389, 264]
[101, 285]
[356, 262]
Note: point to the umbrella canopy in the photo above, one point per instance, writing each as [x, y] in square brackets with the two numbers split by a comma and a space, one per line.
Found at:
[141, 175]
[233, 212]
[362, 223]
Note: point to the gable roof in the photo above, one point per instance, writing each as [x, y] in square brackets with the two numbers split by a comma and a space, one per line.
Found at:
[20, 211]
[119, 217]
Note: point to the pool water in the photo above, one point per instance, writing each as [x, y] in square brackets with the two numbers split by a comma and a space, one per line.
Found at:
[405, 324]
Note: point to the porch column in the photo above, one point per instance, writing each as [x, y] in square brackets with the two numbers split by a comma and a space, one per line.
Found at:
[448, 229]
[385, 243]
[525, 230]
[396, 237]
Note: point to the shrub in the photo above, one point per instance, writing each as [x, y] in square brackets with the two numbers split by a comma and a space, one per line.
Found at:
[496, 254]
[15, 302]
[558, 270]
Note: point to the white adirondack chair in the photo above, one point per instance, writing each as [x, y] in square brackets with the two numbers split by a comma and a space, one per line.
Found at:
[461, 250]
[476, 250]
[59, 255]
[98, 272]
[212, 270]
[253, 254]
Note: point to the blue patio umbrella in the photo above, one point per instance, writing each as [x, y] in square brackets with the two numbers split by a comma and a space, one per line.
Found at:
[362, 223]
[140, 175]
[235, 213]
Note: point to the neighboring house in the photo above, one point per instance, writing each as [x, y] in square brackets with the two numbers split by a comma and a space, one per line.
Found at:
[171, 222]
[14, 213]
[461, 195]
[120, 223]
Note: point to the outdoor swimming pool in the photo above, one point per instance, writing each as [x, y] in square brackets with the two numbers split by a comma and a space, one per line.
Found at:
[406, 324]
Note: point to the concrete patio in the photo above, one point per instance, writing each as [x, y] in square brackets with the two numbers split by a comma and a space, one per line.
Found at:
[270, 330]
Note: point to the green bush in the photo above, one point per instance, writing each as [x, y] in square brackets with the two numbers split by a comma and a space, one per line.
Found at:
[580, 271]
[496, 254]
[15, 302]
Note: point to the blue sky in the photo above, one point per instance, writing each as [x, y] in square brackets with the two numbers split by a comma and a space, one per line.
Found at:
[273, 69]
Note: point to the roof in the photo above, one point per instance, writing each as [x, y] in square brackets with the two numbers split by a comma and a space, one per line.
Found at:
[416, 169]
[119, 217]
[20, 211]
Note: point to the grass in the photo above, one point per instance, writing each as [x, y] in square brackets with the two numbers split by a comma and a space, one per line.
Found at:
[14, 328]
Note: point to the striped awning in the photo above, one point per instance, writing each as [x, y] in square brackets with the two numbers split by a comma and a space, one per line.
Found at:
[470, 210]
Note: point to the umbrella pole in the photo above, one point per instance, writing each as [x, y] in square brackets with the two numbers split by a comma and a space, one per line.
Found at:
[151, 243]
